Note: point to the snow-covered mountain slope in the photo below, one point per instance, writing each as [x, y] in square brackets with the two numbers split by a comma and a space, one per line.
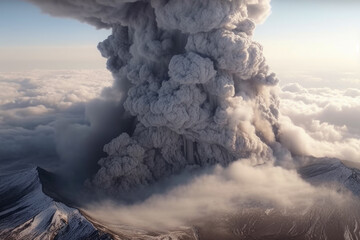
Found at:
[332, 172]
[256, 224]
[27, 213]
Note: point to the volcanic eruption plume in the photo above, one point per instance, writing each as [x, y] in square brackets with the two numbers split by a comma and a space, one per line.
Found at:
[197, 85]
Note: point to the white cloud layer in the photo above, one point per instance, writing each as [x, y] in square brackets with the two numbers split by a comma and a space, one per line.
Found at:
[321, 121]
[219, 193]
[36, 107]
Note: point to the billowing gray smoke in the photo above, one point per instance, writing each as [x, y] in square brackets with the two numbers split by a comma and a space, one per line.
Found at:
[198, 85]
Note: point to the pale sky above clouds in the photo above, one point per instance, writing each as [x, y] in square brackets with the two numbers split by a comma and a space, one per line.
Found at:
[315, 43]
[311, 26]
[33, 40]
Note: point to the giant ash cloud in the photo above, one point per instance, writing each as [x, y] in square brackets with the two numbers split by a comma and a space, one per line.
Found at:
[199, 87]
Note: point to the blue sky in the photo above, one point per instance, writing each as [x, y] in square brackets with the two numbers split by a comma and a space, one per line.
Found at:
[23, 24]
[31, 40]
[301, 35]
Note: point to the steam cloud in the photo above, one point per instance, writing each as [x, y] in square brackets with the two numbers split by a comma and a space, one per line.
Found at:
[222, 191]
[197, 84]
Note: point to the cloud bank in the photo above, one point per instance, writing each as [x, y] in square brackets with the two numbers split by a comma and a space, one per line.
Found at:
[220, 194]
[54, 119]
[321, 122]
